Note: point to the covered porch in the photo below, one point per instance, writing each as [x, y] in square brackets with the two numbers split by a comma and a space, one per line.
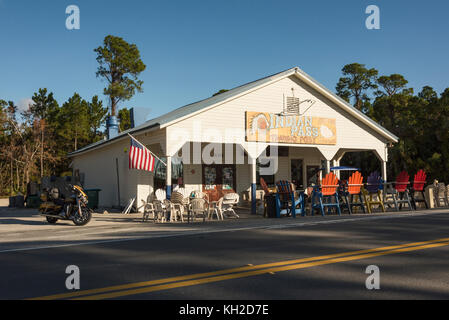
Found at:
[220, 168]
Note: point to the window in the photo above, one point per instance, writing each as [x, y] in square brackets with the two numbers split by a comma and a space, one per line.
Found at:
[177, 173]
[228, 177]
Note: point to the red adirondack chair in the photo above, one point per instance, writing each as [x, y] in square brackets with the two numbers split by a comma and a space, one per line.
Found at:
[327, 196]
[418, 187]
[402, 182]
[401, 186]
[355, 185]
[419, 181]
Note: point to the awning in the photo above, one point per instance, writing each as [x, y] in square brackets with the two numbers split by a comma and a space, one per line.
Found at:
[344, 169]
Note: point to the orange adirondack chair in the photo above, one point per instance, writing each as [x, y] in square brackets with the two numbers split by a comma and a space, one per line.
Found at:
[355, 185]
[418, 187]
[329, 185]
[327, 196]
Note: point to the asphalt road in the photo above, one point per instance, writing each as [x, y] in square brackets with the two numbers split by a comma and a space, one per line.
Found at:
[306, 258]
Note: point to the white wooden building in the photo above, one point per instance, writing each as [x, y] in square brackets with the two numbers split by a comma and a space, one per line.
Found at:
[310, 125]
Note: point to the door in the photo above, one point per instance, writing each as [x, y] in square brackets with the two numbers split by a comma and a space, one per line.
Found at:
[296, 166]
[218, 180]
[313, 175]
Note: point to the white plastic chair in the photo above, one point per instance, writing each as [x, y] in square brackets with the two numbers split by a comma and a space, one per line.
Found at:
[200, 195]
[148, 208]
[160, 210]
[216, 207]
[440, 195]
[229, 201]
[183, 192]
[178, 204]
[199, 206]
[161, 195]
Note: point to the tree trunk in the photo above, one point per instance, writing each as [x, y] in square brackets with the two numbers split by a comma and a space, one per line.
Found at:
[42, 152]
[27, 174]
[24, 182]
[12, 176]
[113, 107]
[76, 139]
[18, 177]
[358, 102]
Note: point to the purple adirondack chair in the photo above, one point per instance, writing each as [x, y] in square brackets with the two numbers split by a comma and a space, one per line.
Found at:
[374, 182]
[373, 186]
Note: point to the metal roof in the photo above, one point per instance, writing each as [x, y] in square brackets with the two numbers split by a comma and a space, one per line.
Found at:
[190, 109]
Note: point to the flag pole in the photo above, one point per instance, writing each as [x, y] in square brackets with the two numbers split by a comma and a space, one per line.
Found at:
[147, 149]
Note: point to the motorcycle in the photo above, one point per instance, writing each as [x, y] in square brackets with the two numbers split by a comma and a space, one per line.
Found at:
[55, 207]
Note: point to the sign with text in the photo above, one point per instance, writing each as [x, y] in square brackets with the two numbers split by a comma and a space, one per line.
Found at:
[292, 129]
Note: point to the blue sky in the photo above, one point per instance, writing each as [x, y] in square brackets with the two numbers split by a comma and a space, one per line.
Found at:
[194, 48]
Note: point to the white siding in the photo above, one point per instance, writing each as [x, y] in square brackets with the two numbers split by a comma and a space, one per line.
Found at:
[283, 172]
[99, 169]
[243, 178]
[193, 175]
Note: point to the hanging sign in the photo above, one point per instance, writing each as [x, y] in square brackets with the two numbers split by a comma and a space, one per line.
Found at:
[292, 129]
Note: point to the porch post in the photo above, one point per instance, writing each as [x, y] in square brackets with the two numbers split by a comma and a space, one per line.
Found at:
[253, 186]
[384, 171]
[168, 178]
[336, 163]
[328, 166]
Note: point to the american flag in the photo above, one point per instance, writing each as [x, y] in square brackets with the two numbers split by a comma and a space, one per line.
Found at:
[140, 157]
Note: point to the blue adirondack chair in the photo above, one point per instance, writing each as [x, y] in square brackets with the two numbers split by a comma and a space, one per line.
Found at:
[285, 200]
[326, 195]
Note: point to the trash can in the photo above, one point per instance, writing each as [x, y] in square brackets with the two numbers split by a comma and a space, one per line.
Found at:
[93, 195]
[20, 201]
[33, 202]
[271, 205]
[12, 202]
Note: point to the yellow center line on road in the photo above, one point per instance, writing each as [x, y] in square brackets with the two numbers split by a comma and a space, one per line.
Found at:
[188, 280]
[254, 273]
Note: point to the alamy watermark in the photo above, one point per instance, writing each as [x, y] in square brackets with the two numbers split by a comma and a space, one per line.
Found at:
[72, 282]
[73, 21]
[373, 20]
[373, 281]
[224, 146]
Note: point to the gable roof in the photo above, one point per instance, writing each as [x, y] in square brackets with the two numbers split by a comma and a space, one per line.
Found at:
[203, 105]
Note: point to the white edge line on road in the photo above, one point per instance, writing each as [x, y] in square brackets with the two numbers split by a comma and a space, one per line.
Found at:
[209, 231]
